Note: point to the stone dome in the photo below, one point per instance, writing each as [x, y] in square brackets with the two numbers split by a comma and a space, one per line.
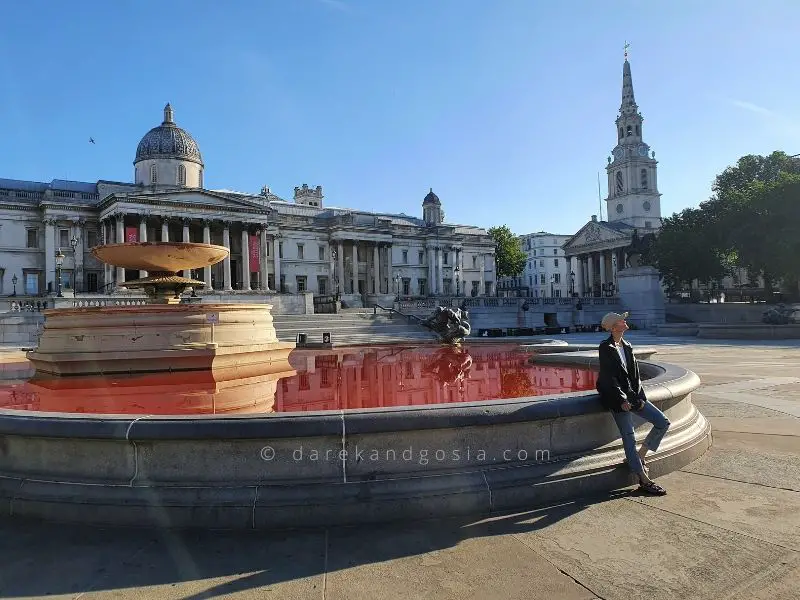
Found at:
[431, 198]
[168, 141]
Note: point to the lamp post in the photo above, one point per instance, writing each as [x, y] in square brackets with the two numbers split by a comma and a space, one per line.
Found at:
[397, 284]
[14, 282]
[572, 284]
[458, 291]
[59, 264]
[74, 243]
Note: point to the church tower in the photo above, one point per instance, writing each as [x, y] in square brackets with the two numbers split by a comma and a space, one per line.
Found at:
[633, 196]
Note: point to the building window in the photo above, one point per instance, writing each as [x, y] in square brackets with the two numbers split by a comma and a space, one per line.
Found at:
[558, 293]
[620, 133]
[33, 238]
[322, 252]
[555, 250]
[619, 182]
[422, 258]
[541, 263]
[446, 257]
[405, 257]
[637, 130]
[648, 225]
[555, 262]
[423, 286]
[153, 174]
[301, 283]
[181, 175]
[644, 179]
[300, 251]
[534, 252]
[629, 131]
[406, 287]
[557, 277]
[91, 238]
[474, 262]
[322, 285]
[541, 279]
[63, 238]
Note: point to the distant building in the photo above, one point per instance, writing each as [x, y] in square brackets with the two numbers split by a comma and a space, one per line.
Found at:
[276, 245]
[546, 273]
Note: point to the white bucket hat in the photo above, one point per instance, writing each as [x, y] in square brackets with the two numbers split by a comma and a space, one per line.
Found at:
[612, 319]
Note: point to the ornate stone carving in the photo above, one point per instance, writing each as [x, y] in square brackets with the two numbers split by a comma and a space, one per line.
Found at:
[593, 233]
[781, 315]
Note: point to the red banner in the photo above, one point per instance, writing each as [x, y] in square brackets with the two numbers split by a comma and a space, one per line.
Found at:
[131, 234]
[255, 247]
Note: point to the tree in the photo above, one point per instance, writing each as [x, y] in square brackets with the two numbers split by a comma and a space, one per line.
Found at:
[683, 250]
[508, 254]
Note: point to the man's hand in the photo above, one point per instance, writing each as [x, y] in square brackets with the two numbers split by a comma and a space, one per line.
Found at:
[625, 405]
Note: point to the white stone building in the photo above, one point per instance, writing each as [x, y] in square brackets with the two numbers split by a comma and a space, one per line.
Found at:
[276, 245]
[596, 251]
[546, 273]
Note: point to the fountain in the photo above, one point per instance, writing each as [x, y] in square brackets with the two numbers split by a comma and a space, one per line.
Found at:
[163, 335]
[195, 415]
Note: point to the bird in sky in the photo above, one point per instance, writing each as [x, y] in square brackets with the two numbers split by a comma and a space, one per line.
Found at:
[91, 140]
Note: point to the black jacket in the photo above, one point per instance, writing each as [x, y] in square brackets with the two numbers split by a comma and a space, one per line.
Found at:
[617, 383]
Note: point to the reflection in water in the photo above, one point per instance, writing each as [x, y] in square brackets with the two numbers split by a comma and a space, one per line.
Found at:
[343, 378]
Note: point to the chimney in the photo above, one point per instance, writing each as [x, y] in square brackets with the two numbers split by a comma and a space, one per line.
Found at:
[594, 218]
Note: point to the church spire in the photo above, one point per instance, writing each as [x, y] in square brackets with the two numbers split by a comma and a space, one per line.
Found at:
[628, 105]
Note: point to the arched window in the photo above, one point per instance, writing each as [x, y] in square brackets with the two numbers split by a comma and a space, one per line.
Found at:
[644, 179]
[200, 177]
[181, 175]
[630, 131]
[153, 174]
[638, 132]
[619, 182]
[621, 134]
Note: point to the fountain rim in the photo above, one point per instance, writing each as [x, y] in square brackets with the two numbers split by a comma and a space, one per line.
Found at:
[175, 245]
[665, 381]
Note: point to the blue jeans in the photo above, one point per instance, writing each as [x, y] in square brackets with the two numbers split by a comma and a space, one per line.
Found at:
[624, 421]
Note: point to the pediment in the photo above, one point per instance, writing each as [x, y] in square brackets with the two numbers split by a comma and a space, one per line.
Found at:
[198, 198]
[596, 233]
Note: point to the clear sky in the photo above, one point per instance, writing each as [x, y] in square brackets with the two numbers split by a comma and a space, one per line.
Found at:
[505, 107]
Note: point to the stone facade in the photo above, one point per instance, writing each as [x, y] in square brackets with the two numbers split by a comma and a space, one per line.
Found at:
[290, 246]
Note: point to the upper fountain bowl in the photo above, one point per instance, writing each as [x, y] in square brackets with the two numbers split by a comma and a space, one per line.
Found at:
[161, 256]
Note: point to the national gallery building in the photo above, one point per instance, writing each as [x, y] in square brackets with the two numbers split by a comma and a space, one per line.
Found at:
[277, 245]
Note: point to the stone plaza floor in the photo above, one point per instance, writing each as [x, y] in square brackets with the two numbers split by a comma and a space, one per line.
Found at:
[729, 527]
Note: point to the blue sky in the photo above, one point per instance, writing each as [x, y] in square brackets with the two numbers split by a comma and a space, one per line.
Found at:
[505, 107]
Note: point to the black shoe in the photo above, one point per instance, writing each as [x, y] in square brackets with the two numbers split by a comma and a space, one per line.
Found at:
[652, 488]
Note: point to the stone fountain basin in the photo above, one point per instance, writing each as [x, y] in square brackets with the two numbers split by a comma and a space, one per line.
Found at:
[284, 470]
[161, 256]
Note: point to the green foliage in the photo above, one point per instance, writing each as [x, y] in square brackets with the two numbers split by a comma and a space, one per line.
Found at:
[752, 220]
[509, 256]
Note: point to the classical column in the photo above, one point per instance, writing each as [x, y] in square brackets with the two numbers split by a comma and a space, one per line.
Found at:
[164, 230]
[376, 268]
[186, 272]
[390, 269]
[49, 253]
[105, 233]
[354, 274]
[602, 269]
[590, 274]
[264, 270]
[276, 256]
[460, 253]
[142, 238]
[431, 270]
[440, 267]
[482, 285]
[226, 264]
[578, 260]
[120, 239]
[207, 240]
[245, 259]
[340, 267]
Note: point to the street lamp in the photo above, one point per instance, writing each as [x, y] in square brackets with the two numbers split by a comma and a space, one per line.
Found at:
[74, 243]
[59, 264]
[572, 284]
[458, 291]
[14, 281]
[397, 284]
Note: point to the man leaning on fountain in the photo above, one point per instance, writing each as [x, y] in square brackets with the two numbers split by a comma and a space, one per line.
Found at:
[620, 386]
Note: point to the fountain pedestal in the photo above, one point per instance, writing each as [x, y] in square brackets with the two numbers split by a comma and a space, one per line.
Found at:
[163, 335]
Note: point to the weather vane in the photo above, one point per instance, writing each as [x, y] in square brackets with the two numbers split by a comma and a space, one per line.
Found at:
[627, 45]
